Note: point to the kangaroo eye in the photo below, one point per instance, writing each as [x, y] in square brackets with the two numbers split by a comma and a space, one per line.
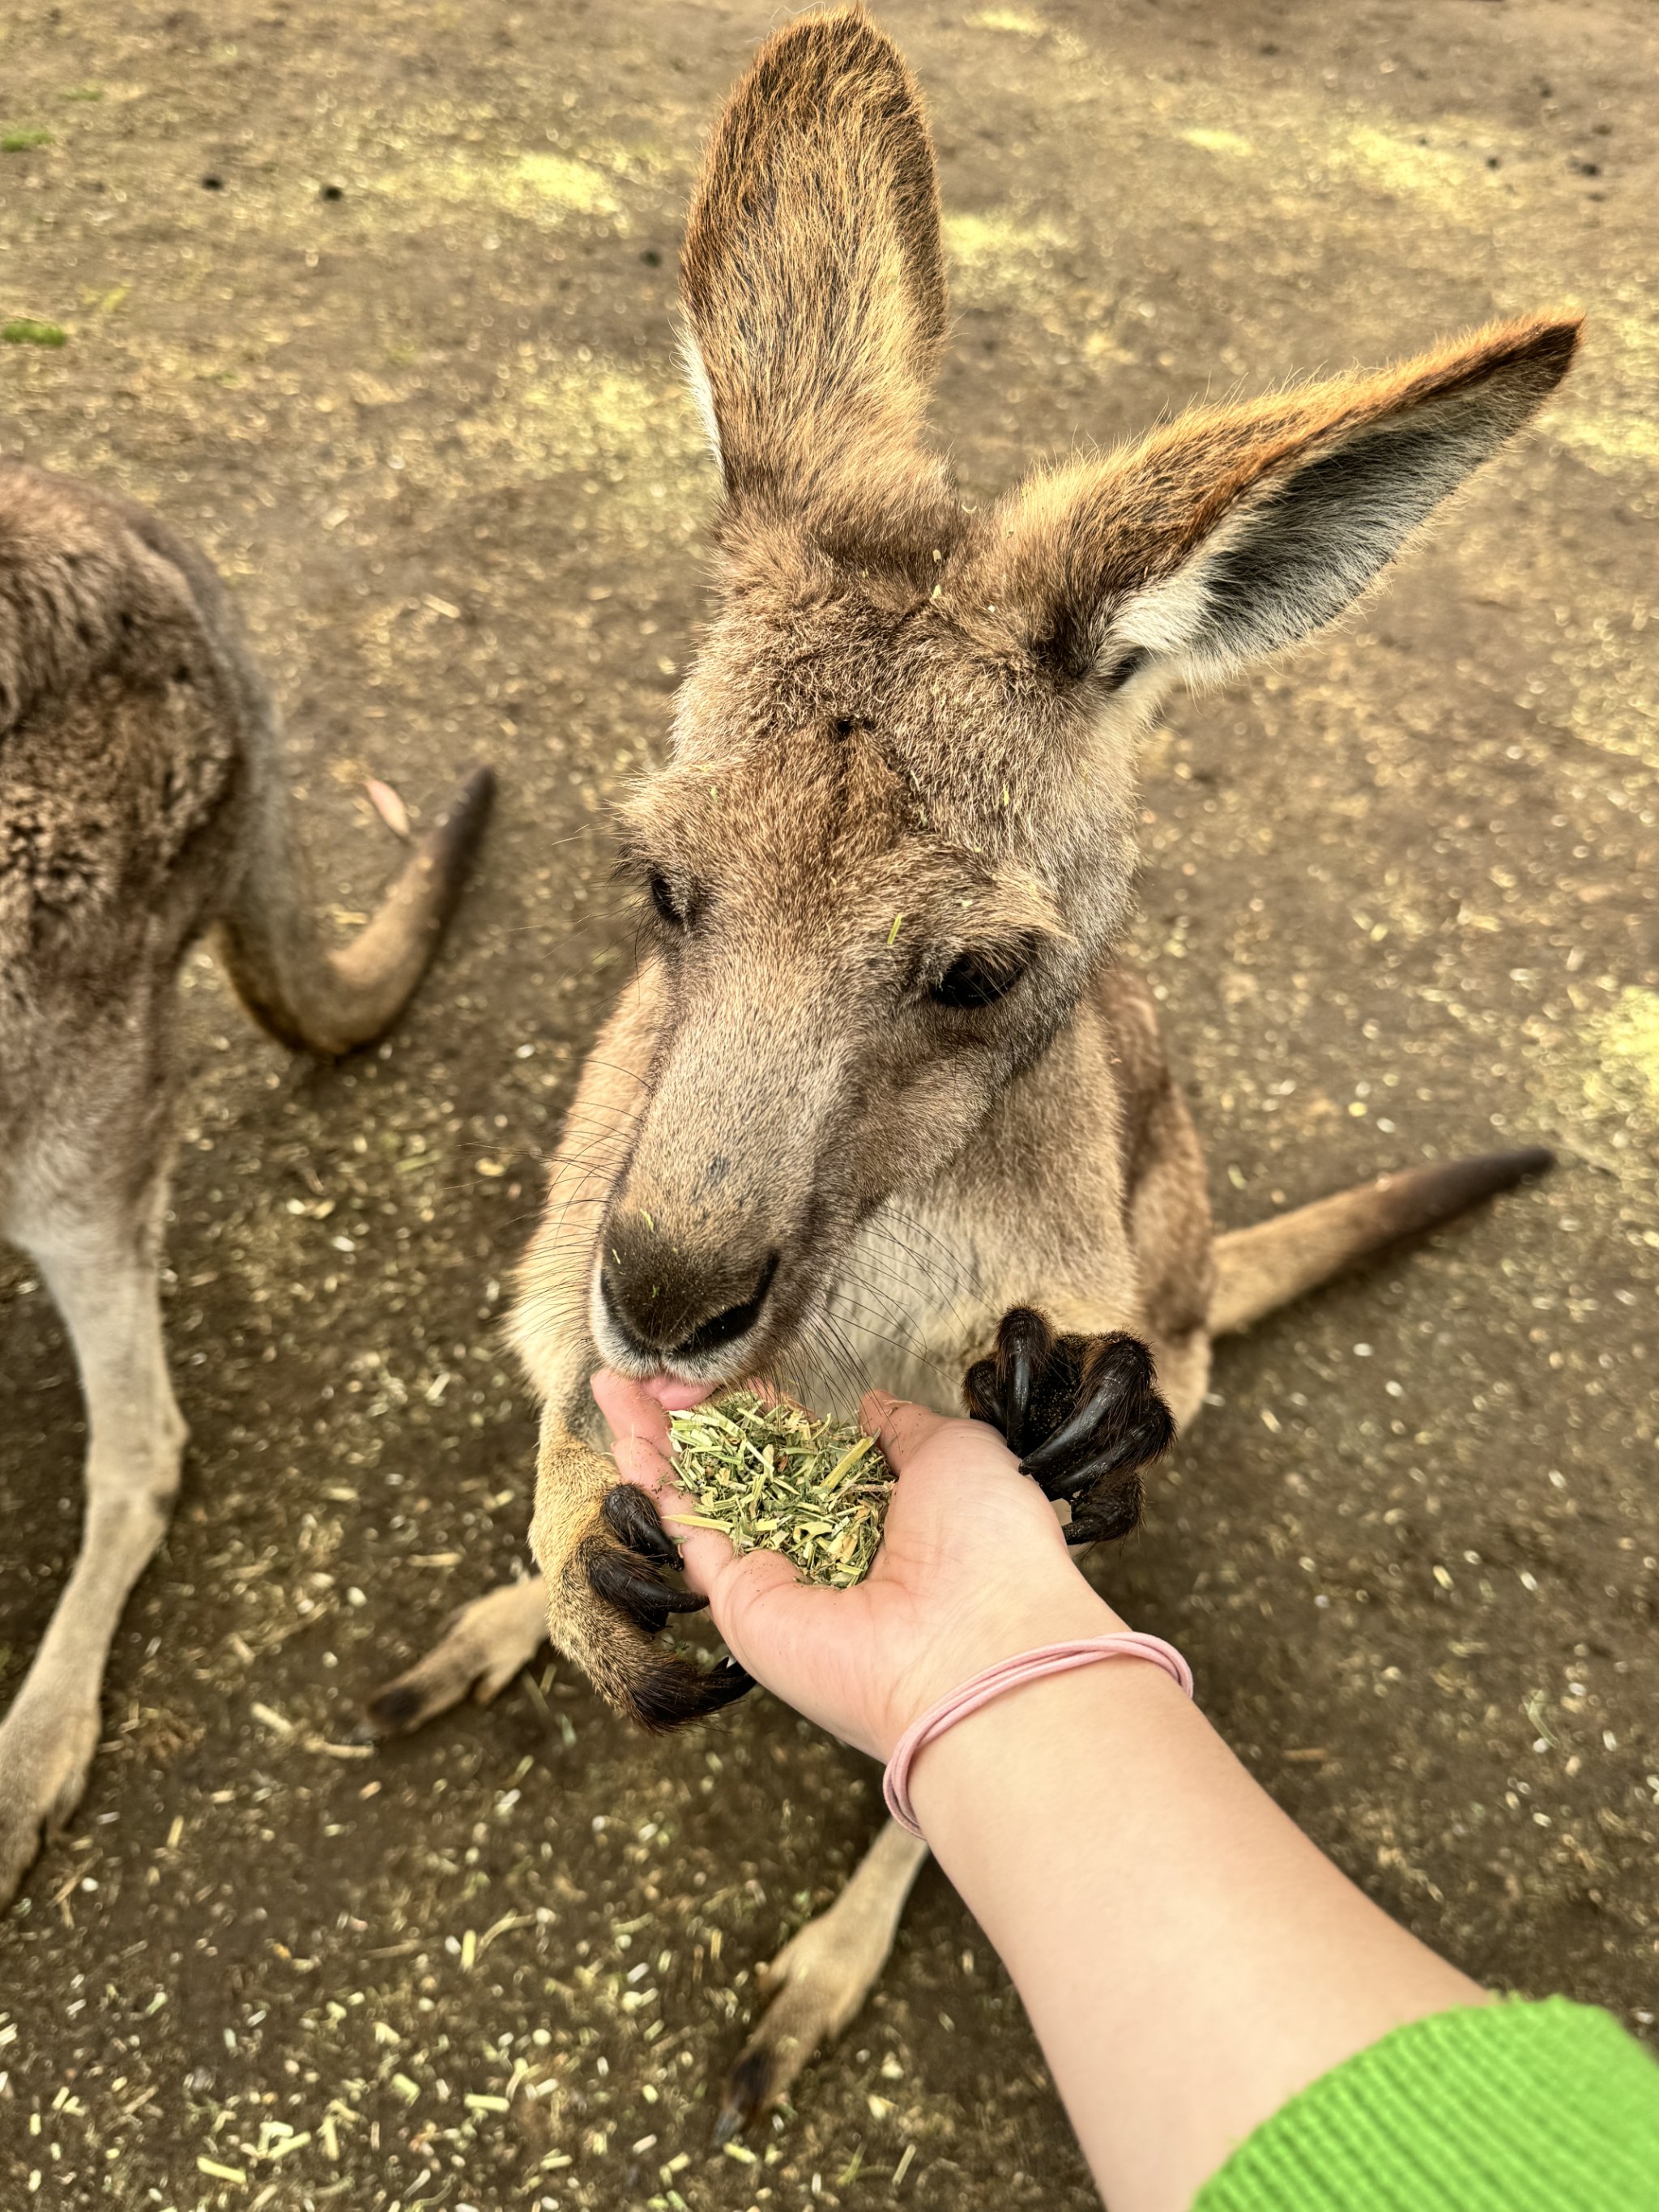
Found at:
[666, 900]
[980, 979]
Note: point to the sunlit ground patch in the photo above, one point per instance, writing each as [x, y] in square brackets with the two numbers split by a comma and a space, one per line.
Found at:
[1600, 1077]
[1019, 21]
[998, 257]
[1220, 142]
[1622, 1082]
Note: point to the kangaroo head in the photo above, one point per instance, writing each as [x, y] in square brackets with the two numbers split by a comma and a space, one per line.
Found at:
[896, 834]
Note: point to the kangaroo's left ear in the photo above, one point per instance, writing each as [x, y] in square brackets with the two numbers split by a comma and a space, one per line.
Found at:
[1237, 530]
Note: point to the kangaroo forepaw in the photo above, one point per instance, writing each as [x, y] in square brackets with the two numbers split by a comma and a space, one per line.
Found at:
[1083, 1412]
[619, 1561]
[623, 1578]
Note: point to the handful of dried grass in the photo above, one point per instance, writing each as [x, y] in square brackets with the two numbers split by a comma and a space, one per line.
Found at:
[770, 1478]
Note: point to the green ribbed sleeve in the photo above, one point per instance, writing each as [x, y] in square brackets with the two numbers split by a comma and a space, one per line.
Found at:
[1511, 2107]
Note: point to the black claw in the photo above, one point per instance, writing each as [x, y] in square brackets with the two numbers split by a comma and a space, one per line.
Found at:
[1025, 1346]
[1101, 1519]
[636, 1591]
[674, 1693]
[748, 2093]
[1114, 1384]
[1101, 1458]
[979, 1389]
[1082, 1412]
[631, 1515]
[1079, 1479]
[1004, 1390]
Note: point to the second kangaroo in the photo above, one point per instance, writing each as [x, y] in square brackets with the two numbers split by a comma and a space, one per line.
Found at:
[884, 1104]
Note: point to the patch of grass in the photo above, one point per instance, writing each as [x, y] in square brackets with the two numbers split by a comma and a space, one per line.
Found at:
[575, 185]
[81, 92]
[1221, 142]
[1623, 1081]
[23, 141]
[770, 1478]
[21, 329]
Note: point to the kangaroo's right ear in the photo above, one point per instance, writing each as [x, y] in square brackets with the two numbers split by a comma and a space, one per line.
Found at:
[812, 274]
[1236, 530]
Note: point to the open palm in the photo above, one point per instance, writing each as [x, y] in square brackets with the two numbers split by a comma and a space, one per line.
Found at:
[973, 1568]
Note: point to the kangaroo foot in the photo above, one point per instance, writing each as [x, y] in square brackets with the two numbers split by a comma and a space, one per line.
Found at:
[482, 1648]
[46, 1751]
[820, 1978]
[1083, 1412]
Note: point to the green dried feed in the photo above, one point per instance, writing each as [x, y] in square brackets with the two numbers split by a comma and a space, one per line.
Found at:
[770, 1478]
[23, 141]
[20, 331]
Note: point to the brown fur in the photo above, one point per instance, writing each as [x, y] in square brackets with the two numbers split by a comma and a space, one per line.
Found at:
[906, 757]
[813, 274]
[1259, 1270]
[141, 802]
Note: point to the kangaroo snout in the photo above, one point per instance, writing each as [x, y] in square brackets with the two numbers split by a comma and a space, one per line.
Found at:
[665, 1305]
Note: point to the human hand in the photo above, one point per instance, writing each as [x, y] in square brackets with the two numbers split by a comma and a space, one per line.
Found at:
[973, 1568]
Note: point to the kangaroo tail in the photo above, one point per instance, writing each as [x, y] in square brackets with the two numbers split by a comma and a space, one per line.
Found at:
[1260, 1269]
[321, 999]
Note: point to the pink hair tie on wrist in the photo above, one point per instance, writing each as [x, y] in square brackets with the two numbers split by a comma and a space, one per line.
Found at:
[1012, 1674]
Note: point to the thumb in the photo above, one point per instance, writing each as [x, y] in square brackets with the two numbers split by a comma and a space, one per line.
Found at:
[632, 1415]
[900, 1428]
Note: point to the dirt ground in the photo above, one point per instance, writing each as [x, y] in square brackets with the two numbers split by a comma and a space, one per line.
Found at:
[376, 302]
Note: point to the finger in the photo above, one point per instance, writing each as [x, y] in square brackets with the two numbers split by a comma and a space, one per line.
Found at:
[675, 1396]
[638, 1460]
[900, 1428]
[630, 1409]
[642, 1449]
[705, 1555]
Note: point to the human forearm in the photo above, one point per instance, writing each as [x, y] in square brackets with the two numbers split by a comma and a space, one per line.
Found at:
[1189, 1959]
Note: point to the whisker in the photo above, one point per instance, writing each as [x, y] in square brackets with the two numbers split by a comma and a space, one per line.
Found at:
[898, 1310]
[892, 1213]
[898, 1344]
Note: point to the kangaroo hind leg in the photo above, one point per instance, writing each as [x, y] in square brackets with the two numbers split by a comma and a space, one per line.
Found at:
[601, 1597]
[98, 1256]
[480, 1650]
[821, 1977]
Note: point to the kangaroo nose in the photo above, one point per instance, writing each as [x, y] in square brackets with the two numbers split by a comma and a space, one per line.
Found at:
[665, 1309]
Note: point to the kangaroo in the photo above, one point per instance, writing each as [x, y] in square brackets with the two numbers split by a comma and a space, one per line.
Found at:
[142, 802]
[882, 1103]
